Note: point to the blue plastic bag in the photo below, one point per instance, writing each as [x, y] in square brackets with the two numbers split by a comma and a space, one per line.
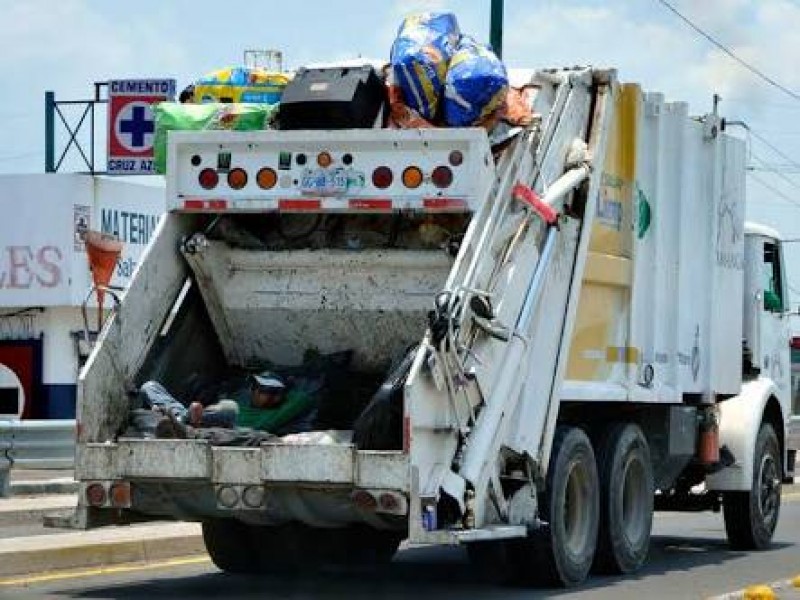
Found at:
[420, 55]
[476, 84]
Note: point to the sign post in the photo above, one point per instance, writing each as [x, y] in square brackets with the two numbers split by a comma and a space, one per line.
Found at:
[131, 125]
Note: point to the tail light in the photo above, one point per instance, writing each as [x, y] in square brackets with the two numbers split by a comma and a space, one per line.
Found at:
[382, 177]
[388, 502]
[120, 494]
[237, 179]
[266, 178]
[96, 494]
[456, 158]
[324, 159]
[208, 179]
[253, 496]
[442, 177]
[364, 500]
[227, 496]
[412, 177]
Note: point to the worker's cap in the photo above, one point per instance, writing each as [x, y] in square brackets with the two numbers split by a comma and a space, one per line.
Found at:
[268, 381]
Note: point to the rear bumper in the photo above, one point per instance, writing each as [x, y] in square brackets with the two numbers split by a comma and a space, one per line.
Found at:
[190, 479]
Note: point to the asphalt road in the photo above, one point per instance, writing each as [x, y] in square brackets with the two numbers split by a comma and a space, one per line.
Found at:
[689, 559]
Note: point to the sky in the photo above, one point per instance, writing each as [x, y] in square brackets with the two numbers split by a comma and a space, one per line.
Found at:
[66, 45]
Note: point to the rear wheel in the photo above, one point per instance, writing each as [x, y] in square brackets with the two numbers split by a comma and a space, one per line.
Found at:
[230, 546]
[751, 517]
[354, 545]
[562, 551]
[626, 499]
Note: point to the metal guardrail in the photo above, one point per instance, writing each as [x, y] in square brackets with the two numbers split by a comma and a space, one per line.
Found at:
[35, 444]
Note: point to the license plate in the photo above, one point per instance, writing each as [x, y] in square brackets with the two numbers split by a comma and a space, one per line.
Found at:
[325, 182]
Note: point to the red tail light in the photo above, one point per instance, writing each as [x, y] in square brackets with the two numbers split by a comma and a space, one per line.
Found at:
[382, 177]
[96, 494]
[208, 179]
[442, 177]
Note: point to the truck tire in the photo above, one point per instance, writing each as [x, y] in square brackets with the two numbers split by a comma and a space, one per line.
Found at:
[230, 546]
[751, 517]
[561, 552]
[626, 499]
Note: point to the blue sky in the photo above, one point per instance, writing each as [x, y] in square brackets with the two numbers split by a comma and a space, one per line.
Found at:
[65, 45]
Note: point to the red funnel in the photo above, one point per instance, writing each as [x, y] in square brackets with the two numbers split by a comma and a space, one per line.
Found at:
[103, 251]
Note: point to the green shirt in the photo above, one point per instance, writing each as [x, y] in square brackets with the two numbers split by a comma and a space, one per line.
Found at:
[301, 398]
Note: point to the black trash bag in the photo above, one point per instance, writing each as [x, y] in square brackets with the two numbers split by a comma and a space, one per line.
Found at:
[380, 425]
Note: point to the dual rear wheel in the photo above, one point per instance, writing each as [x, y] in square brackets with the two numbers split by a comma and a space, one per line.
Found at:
[597, 511]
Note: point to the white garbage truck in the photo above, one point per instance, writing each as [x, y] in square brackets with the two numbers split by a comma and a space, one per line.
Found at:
[595, 333]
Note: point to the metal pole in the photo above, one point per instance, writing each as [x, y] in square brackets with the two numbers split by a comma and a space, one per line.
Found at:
[49, 132]
[496, 28]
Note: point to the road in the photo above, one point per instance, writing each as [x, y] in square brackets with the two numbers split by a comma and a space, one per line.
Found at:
[689, 559]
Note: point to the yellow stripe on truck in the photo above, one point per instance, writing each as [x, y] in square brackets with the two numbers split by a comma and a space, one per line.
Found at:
[602, 321]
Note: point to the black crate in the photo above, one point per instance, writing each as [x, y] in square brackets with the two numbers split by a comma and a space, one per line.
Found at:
[333, 98]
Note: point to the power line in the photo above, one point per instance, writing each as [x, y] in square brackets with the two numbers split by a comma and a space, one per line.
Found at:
[730, 52]
[776, 150]
[777, 173]
[775, 190]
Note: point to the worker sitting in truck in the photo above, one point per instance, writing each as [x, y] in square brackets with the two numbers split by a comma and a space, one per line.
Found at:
[265, 402]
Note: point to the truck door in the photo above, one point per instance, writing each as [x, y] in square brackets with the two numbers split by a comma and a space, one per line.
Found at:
[770, 311]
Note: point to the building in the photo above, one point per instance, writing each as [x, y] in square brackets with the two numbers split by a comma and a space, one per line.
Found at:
[45, 278]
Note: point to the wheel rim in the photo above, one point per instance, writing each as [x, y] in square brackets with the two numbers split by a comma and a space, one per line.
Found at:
[769, 494]
[576, 516]
[634, 492]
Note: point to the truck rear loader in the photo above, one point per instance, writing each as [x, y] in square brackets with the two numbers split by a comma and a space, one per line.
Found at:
[596, 334]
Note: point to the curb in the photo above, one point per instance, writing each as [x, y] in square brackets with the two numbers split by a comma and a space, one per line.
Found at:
[768, 591]
[61, 552]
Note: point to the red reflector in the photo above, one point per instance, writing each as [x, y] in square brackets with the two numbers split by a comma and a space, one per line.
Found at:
[208, 178]
[442, 177]
[205, 204]
[443, 203]
[96, 494]
[406, 434]
[382, 177]
[364, 500]
[293, 204]
[388, 501]
[370, 204]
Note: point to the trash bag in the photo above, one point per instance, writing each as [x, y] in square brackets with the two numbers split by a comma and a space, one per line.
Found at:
[419, 57]
[380, 425]
[240, 85]
[476, 85]
[173, 116]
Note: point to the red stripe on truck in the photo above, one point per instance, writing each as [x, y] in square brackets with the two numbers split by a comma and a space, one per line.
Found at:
[443, 203]
[205, 204]
[296, 204]
[370, 204]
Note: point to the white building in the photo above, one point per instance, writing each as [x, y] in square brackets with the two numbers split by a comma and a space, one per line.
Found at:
[44, 278]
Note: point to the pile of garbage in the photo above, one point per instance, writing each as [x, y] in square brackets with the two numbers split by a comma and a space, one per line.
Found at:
[440, 76]
[436, 77]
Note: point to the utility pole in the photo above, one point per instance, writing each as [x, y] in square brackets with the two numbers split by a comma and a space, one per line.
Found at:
[496, 28]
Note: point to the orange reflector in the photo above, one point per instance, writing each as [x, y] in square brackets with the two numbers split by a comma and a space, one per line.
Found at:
[299, 205]
[369, 204]
[96, 494]
[237, 179]
[412, 177]
[266, 178]
[324, 159]
[120, 493]
[443, 203]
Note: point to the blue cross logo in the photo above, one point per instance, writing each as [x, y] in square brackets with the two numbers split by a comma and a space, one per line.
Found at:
[137, 126]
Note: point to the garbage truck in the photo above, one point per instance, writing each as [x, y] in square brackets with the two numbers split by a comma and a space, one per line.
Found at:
[591, 332]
